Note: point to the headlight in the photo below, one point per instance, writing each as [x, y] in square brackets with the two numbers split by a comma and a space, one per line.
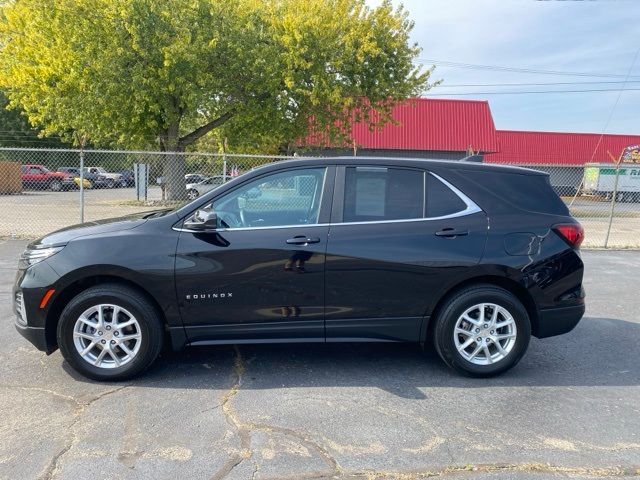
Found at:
[32, 256]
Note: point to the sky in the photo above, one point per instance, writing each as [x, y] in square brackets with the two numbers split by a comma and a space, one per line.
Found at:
[588, 37]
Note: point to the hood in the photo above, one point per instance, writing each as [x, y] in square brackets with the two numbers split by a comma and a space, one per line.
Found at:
[109, 225]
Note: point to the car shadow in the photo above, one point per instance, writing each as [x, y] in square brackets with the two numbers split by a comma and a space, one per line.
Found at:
[599, 352]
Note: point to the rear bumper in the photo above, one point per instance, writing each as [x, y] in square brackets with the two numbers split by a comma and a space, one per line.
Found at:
[556, 321]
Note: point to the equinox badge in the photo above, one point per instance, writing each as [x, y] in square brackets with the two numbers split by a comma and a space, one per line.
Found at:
[206, 296]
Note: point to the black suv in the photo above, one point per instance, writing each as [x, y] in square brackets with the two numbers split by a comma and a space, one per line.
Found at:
[473, 258]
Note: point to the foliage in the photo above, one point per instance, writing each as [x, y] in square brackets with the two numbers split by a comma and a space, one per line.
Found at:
[15, 130]
[135, 73]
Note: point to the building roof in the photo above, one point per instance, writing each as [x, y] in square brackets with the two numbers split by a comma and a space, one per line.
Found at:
[449, 125]
[428, 124]
[549, 148]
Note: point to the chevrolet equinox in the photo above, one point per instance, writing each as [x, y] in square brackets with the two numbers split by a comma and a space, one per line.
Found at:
[469, 257]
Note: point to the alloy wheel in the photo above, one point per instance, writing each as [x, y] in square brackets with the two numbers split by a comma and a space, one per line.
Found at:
[192, 194]
[107, 336]
[485, 334]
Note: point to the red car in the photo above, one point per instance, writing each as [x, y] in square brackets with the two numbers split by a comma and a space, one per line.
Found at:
[40, 177]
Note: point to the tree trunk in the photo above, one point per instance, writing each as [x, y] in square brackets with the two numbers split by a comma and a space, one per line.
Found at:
[174, 165]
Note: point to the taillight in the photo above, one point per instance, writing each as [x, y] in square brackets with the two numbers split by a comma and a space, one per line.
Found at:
[572, 233]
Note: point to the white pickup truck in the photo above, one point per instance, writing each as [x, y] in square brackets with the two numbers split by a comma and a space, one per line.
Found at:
[599, 179]
[112, 179]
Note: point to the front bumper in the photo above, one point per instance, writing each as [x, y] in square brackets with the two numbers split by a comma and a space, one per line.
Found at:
[35, 335]
[24, 318]
[28, 290]
[556, 321]
[68, 183]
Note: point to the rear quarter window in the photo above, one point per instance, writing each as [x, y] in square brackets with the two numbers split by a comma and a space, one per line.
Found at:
[441, 200]
[526, 192]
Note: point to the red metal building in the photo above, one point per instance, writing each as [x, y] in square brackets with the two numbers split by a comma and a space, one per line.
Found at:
[553, 148]
[437, 128]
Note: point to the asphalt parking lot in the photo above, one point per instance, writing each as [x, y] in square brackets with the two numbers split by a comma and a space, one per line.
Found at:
[571, 408]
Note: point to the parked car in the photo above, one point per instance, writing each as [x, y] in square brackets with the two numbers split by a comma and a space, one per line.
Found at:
[194, 190]
[194, 178]
[92, 180]
[113, 179]
[128, 178]
[331, 250]
[40, 177]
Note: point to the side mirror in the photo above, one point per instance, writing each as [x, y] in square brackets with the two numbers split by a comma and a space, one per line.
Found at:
[202, 221]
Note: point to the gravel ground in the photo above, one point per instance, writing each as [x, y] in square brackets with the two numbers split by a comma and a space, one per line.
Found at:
[354, 411]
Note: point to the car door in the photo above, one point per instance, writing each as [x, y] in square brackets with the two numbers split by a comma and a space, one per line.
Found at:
[397, 237]
[260, 275]
[34, 178]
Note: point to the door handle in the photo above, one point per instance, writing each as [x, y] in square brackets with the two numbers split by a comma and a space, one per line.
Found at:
[451, 232]
[302, 240]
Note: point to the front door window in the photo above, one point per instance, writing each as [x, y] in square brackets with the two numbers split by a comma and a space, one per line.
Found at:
[288, 198]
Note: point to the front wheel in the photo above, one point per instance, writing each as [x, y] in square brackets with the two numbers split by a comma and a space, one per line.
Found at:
[55, 186]
[110, 332]
[482, 331]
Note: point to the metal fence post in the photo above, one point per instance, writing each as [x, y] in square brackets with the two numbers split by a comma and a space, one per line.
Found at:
[224, 168]
[81, 183]
[613, 205]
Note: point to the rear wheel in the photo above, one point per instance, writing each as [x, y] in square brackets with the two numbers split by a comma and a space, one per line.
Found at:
[482, 331]
[110, 332]
[111, 183]
[192, 194]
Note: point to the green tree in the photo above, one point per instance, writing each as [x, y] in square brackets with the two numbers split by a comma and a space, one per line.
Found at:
[15, 130]
[135, 73]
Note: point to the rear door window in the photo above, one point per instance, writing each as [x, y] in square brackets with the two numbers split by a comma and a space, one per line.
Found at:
[381, 193]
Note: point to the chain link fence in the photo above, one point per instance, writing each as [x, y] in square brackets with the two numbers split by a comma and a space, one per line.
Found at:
[42, 190]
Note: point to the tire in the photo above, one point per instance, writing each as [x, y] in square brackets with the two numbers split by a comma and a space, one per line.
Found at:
[467, 301]
[132, 304]
[192, 194]
[55, 185]
[124, 184]
[111, 183]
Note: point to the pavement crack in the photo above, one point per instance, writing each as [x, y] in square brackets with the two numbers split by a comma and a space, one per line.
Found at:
[68, 398]
[232, 419]
[244, 430]
[332, 463]
[54, 465]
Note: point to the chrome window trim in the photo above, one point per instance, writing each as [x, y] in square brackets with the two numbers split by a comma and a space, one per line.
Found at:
[470, 209]
[471, 206]
[322, 188]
